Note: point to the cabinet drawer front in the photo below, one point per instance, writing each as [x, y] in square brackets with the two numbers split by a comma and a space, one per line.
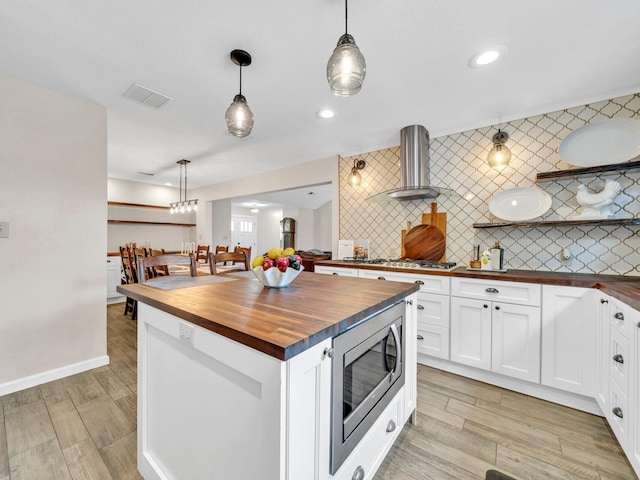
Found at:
[433, 340]
[499, 291]
[346, 272]
[372, 449]
[428, 283]
[622, 316]
[619, 360]
[433, 309]
[618, 403]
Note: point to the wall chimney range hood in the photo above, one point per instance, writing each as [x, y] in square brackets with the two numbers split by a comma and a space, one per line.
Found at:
[414, 169]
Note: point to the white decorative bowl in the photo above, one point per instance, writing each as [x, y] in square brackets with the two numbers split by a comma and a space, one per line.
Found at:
[274, 278]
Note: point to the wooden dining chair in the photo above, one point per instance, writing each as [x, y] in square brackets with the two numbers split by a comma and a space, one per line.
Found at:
[129, 276]
[216, 261]
[245, 250]
[202, 253]
[154, 272]
[165, 260]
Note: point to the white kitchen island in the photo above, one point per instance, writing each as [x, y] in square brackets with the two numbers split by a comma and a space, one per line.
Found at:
[234, 380]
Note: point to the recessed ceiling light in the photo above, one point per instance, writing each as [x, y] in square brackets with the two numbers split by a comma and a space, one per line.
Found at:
[326, 114]
[168, 184]
[488, 56]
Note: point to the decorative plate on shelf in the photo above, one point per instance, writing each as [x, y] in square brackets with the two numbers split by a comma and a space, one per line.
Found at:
[602, 143]
[520, 204]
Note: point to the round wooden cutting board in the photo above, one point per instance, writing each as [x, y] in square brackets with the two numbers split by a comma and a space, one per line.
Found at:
[424, 242]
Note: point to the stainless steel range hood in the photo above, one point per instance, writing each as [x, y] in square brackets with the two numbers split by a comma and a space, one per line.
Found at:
[414, 169]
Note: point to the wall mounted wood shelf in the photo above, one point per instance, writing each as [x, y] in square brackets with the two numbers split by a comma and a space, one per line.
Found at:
[137, 205]
[134, 222]
[562, 223]
[579, 172]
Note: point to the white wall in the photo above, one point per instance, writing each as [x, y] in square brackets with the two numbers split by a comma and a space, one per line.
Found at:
[169, 237]
[294, 176]
[53, 191]
[322, 228]
[269, 232]
[219, 222]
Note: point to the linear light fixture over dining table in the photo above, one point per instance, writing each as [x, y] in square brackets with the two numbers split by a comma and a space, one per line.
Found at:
[184, 205]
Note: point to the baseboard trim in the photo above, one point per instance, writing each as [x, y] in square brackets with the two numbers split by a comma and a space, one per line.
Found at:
[50, 375]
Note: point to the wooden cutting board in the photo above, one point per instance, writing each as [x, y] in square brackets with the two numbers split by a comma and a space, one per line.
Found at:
[424, 242]
[437, 219]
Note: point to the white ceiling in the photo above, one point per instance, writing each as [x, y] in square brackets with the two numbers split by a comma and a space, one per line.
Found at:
[561, 54]
[310, 197]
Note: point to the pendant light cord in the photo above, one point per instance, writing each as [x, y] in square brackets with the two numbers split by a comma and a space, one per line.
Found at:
[345, 16]
[240, 80]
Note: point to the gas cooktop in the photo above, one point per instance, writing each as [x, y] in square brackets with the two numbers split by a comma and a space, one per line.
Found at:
[411, 264]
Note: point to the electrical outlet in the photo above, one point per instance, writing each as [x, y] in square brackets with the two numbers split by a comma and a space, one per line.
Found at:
[566, 257]
[186, 332]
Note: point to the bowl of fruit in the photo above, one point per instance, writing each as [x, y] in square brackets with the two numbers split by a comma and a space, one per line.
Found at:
[277, 268]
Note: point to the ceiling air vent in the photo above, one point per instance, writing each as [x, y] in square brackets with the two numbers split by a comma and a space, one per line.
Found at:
[146, 96]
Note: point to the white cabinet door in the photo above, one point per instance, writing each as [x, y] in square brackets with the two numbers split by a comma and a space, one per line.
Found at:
[634, 395]
[411, 358]
[515, 345]
[602, 352]
[347, 272]
[569, 335]
[308, 412]
[113, 279]
[471, 332]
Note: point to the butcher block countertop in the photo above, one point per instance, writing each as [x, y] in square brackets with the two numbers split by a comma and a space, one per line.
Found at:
[280, 322]
[624, 288]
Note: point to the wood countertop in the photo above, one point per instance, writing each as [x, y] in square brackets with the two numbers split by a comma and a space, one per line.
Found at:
[624, 288]
[280, 322]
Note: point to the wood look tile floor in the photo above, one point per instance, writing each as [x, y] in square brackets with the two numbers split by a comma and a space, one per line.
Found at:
[83, 427]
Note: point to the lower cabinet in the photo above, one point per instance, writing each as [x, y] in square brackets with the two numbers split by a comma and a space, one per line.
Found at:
[634, 430]
[569, 338]
[114, 275]
[496, 336]
[433, 325]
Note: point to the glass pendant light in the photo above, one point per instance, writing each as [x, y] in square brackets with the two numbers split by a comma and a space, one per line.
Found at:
[239, 116]
[500, 155]
[346, 67]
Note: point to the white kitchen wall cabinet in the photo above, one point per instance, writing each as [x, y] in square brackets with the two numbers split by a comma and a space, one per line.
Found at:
[569, 337]
[346, 272]
[114, 275]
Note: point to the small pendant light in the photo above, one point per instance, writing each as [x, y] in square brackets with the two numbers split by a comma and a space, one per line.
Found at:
[500, 155]
[346, 67]
[239, 116]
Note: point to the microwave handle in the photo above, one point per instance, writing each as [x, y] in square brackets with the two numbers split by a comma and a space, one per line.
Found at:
[396, 337]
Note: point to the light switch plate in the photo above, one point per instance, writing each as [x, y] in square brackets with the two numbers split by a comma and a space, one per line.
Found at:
[4, 229]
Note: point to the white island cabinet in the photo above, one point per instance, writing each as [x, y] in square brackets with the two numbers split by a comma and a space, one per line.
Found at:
[212, 408]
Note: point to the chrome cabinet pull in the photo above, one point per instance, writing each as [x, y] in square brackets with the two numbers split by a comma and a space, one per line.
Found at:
[391, 426]
[334, 273]
[420, 337]
[381, 278]
[492, 290]
[486, 306]
[358, 474]
[618, 358]
[420, 307]
[617, 411]
[619, 316]
[497, 307]
[409, 302]
[604, 300]
[328, 352]
[419, 282]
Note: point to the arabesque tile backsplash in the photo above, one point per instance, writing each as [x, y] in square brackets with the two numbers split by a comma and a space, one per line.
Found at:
[459, 162]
